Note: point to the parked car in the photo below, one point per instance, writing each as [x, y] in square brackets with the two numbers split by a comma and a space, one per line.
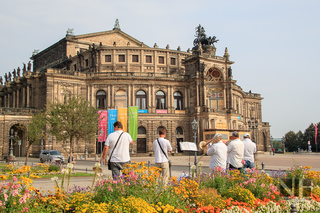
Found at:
[51, 156]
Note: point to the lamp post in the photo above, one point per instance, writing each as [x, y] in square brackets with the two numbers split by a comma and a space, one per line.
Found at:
[41, 140]
[86, 150]
[271, 141]
[284, 146]
[12, 135]
[101, 139]
[177, 139]
[253, 124]
[194, 125]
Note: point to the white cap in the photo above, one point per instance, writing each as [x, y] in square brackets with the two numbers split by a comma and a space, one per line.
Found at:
[246, 135]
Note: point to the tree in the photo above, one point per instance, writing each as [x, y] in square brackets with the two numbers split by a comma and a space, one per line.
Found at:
[71, 119]
[36, 130]
[290, 140]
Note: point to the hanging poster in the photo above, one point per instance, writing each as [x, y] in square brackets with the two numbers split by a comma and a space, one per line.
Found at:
[123, 117]
[113, 116]
[133, 122]
[103, 121]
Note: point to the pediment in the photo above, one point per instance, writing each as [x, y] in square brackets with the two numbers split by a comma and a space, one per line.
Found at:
[109, 37]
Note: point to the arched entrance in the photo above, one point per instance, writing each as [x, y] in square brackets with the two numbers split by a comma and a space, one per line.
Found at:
[142, 140]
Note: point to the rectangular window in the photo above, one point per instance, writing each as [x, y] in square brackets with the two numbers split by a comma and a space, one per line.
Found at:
[122, 58]
[148, 59]
[107, 58]
[161, 60]
[173, 61]
[135, 58]
[87, 62]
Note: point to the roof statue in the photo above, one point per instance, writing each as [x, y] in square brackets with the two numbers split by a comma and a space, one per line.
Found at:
[70, 31]
[201, 37]
[116, 25]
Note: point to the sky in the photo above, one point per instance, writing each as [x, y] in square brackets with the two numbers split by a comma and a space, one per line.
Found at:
[275, 44]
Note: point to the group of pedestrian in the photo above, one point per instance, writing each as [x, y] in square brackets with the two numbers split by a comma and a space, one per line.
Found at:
[118, 143]
[234, 154]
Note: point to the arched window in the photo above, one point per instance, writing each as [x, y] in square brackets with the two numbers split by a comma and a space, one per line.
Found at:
[101, 99]
[121, 99]
[160, 100]
[178, 101]
[141, 99]
[179, 130]
[142, 130]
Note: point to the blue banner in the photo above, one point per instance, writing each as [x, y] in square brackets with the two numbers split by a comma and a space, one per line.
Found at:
[142, 111]
[112, 118]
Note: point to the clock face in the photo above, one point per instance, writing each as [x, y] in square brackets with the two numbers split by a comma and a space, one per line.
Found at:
[214, 74]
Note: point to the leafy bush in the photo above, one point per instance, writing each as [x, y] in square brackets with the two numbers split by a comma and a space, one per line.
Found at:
[54, 168]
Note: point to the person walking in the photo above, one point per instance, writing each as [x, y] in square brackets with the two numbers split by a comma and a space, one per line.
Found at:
[217, 151]
[117, 144]
[249, 149]
[235, 152]
[161, 147]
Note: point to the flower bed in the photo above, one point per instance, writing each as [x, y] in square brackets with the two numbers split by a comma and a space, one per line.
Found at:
[141, 190]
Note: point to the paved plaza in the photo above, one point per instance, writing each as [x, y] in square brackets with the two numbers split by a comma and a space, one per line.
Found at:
[181, 164]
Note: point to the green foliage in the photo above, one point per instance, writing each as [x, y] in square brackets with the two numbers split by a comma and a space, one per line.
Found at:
[36, 128]
[54, 168]
[71, 119]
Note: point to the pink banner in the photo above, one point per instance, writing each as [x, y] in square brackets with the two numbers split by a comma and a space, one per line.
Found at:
[103, 121]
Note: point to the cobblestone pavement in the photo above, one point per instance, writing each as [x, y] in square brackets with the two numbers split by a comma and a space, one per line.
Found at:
[181, 164]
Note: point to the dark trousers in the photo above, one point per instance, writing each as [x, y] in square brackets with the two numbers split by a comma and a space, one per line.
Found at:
[232, 167]
[116, 167]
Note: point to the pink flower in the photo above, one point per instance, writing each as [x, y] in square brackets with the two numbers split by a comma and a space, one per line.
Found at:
[15, 192]
[263, 185]
[110, 189]
[5, 196]
[14, 178]
[25, 209]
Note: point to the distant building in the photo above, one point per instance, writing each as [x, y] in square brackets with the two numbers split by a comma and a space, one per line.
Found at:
[113, 70]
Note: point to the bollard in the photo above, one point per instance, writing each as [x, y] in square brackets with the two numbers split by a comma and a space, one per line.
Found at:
[262, 165]
[170, 168]
[96, 158]
[293, 208]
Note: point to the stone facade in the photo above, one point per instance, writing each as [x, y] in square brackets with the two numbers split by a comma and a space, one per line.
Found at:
[173, 88]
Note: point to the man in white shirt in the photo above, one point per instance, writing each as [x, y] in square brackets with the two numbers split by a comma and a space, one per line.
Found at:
[120, 155]
[249, 150]
[235, 152]
[218, 152]
[161, 147]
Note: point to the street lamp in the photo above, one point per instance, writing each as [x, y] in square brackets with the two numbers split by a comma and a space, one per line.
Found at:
[86, 150]
[253, 124]
[101, 140]
[271, 141]
[194, 125]
[177, 139]
[12, 135]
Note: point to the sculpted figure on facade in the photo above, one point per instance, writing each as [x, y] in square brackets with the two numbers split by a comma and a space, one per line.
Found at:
[29, 66]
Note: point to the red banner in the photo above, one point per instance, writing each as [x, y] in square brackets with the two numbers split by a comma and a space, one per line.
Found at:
[103, 121]
[316, 133]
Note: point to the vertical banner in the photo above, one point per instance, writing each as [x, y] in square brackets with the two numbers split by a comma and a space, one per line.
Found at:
[103, 121]
[113, 116]
[316, 133]
[133, 122]
[123, 118]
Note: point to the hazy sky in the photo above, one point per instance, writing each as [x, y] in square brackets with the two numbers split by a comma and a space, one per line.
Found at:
[274, 44]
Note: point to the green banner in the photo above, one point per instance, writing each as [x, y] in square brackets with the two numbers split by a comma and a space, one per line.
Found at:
[133, 122]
